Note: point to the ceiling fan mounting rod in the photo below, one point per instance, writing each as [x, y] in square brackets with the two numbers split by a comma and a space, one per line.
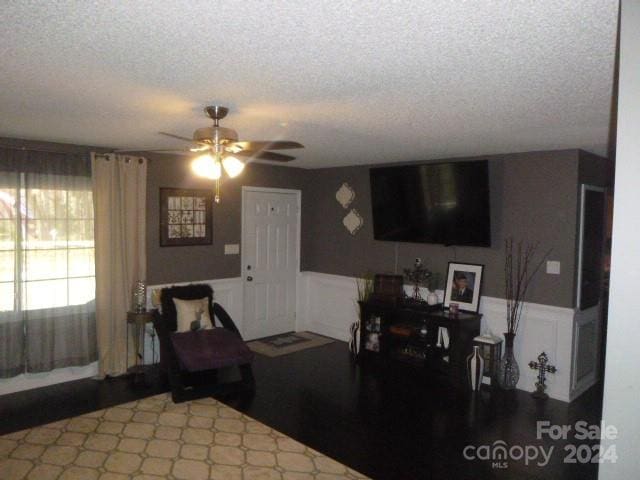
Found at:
[216, 113]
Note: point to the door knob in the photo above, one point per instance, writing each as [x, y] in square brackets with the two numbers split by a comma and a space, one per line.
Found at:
[249, 279]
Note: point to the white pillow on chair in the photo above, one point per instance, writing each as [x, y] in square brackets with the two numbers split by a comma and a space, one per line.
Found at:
[190, 311]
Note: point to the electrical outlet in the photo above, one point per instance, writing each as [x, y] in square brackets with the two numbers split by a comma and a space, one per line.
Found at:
[231, 249]
[553, 267]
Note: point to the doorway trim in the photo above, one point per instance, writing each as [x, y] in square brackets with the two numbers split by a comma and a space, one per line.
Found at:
[584, 187]
[298, 194]
[589, 317]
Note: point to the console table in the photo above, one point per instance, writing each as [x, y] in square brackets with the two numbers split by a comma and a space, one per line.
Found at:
[424, 336]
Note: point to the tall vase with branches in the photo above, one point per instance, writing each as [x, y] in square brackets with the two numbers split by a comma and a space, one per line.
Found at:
[519, 270]
[364, 287]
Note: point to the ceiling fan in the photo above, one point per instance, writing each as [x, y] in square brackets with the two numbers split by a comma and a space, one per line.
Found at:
[220, 148]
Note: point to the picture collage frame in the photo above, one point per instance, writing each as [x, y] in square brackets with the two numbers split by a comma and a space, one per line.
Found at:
[185, 217]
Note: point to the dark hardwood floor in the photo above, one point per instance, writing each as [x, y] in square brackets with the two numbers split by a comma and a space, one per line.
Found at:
[387, 422]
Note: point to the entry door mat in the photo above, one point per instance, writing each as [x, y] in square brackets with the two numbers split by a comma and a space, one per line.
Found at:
[289, 342]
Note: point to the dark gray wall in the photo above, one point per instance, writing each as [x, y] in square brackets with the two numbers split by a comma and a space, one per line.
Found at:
[594, 170]
[50, 146]
[533, 197]
[192, 263]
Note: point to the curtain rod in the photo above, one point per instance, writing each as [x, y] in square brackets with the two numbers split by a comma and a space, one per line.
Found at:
[43, 149]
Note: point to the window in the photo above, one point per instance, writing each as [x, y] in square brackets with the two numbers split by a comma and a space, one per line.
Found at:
[47, 273]
[46, 242]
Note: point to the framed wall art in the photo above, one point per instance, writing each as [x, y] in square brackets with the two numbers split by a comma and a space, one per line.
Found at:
[185, 217]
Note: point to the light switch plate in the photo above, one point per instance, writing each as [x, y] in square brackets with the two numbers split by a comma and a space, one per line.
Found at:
[231, 249]
[553, 267]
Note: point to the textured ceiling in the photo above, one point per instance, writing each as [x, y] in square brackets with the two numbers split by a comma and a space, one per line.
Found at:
[356, 82]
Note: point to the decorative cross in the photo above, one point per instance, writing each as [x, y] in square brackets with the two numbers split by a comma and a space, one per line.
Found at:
[543, 368]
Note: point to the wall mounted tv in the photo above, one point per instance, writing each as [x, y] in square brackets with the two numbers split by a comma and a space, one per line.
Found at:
[446, 203]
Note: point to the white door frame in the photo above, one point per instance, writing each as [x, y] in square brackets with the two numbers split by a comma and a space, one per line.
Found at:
[591, 315]
[583, 190]
[298, 194]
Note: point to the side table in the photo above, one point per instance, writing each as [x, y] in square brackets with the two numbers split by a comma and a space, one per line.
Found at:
[491, 351]
[138, 328]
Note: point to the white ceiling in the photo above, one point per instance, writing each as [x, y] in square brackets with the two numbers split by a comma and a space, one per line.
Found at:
[356, 82]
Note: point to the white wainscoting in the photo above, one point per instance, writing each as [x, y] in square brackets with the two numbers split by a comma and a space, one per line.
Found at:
[586, 350]
[327, 305]
[543, 328]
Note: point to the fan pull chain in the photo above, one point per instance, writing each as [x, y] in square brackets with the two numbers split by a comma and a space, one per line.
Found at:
[217, 196]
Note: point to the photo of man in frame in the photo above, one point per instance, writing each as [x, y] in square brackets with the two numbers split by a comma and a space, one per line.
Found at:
[463, 284]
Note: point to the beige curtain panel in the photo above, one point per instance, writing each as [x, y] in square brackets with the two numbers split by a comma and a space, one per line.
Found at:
[119, 192]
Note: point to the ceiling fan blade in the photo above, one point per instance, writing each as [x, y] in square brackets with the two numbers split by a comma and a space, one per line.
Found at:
[265, 145]
[186, 139]
[151, 150]
[263, 155]
[183, 153]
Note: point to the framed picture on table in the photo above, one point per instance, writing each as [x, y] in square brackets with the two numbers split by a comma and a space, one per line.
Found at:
[464, 282]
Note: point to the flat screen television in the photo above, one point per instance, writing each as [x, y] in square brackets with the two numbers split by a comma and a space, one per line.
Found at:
[445, 203]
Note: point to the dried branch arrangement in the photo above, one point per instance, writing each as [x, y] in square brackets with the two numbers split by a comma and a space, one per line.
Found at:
[518, 275]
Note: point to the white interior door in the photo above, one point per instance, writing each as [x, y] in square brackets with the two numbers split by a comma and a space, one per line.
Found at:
[270, 260]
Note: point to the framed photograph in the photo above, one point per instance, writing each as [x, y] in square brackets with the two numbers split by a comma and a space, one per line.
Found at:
[464, 281]
[185, 217]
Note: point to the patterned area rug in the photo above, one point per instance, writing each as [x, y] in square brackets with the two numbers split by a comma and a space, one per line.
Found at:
[154, 438]
[288, 343]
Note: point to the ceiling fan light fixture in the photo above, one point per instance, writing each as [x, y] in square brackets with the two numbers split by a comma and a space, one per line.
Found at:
[206, 166]
[232, 166]
[219, 148]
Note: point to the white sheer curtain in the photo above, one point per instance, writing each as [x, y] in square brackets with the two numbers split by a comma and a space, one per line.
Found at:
[47, 280]
[119, 186]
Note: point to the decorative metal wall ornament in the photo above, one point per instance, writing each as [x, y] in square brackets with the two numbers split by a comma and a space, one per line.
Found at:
[345, 195]
[543, 368]
[353, 221]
